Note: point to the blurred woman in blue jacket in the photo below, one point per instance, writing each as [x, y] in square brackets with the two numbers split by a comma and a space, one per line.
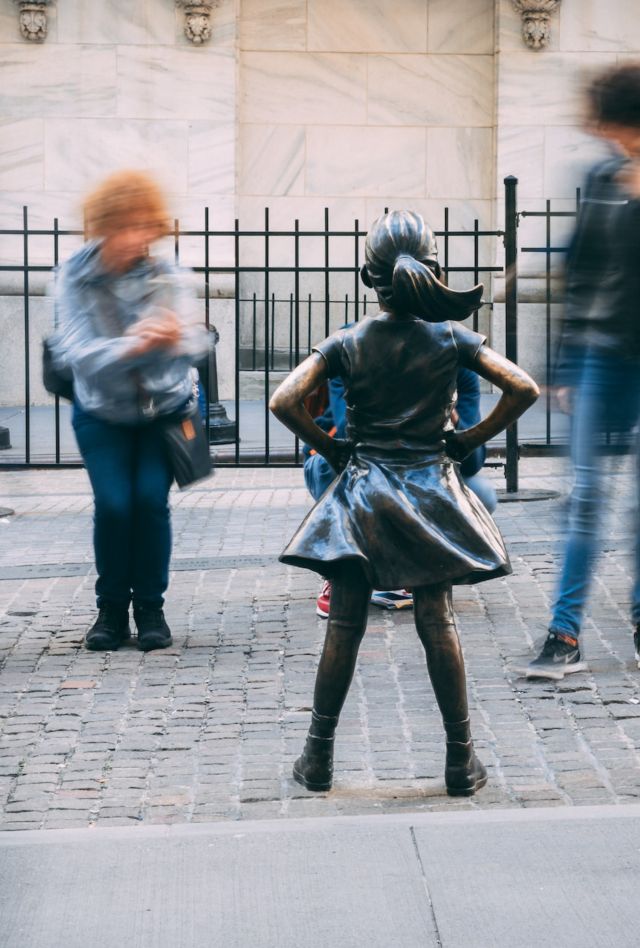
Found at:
[129, 333]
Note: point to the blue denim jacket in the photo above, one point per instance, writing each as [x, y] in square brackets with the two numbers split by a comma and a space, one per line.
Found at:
[95, 308]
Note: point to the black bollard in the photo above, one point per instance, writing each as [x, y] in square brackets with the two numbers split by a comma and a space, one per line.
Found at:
[221, 429]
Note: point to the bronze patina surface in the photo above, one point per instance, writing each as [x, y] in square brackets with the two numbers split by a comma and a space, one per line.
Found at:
[399, 514]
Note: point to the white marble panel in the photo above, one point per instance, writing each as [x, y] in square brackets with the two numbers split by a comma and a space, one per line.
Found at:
[21, 154]
[308, 210]
[189, 210]
[568, 155]
[460, 163]
[462, 213]
[462, 216]
[591, 25]
[461, 27]
[116, 21]
[212, 150]
[376, 26]
[303, 88]
[94, 148]
[167, 83]
[532, 342]
[271, 159]
[543, 89]
[9, 27]
[55, 80]
[273, 24]
[520, 152]
[43, 206]
[430, 90]
[365, 161]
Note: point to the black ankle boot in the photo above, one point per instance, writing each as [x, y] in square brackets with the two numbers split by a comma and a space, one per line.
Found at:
[153, 631]
[314, 768]
[110, 629]
[463, 772]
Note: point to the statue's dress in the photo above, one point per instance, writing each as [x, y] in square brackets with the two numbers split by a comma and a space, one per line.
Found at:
[400, 506]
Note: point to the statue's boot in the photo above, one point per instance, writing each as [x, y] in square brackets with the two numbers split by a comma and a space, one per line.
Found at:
[314, 768]
[463, 772]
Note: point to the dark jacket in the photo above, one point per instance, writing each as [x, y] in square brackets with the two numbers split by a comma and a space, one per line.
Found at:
[602, 273]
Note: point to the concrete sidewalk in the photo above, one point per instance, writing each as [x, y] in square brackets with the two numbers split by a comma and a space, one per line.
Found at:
[510, 879]
[208, 730]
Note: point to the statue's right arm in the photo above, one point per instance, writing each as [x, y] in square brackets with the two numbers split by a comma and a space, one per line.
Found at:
[287, 404]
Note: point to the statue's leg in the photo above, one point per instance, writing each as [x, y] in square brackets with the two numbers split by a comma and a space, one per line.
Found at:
[435, 623]
[347, 621]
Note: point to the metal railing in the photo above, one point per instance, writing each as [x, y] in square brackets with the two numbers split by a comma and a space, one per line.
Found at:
[288, 289]
[550, 246]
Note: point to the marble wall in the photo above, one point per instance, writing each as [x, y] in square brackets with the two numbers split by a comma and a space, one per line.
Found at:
[354, 107]
[116, 84]
[302, 105]
[351, 106]
[540, 139]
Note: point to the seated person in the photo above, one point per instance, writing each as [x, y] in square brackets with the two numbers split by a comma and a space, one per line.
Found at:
[318, 473]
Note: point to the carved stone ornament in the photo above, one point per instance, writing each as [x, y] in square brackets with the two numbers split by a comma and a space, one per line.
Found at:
[536, 16]
[33, 19]
[197, 26]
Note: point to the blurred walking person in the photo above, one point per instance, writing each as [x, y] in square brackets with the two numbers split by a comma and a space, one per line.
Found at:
[598, 374]
[129, 334]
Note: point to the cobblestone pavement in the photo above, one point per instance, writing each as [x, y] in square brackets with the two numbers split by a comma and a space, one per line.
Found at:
[208, 730]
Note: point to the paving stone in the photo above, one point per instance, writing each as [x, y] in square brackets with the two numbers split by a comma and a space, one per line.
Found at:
[209, 728]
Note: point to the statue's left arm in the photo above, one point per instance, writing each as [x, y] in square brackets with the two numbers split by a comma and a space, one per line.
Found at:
[519, 392]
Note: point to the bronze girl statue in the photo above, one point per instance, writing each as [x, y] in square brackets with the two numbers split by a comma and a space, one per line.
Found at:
[399, 515]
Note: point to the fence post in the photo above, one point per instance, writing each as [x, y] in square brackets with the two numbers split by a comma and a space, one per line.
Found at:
[511, 312]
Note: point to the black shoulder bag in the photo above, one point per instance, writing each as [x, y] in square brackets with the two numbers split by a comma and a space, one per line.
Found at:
[186, 442]
[55, 381]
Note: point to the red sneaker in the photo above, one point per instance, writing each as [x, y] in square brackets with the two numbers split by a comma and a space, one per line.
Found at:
[324, 600]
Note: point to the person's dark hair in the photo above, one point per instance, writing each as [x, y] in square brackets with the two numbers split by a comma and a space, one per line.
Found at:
[614, 96]
[402, 266]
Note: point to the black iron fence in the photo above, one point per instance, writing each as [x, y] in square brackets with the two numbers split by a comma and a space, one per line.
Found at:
[547, 250]
[271, 293]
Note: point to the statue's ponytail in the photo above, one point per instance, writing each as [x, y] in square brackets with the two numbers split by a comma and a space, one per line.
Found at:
[401, 264]
[416, 289]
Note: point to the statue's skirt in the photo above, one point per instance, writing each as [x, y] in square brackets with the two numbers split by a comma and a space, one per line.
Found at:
[410, 522]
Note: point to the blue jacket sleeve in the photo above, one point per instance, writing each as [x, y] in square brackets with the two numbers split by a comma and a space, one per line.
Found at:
[338, 406]
[468, 408]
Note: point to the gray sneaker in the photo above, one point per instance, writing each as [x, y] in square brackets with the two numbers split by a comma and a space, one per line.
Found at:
[560, 656]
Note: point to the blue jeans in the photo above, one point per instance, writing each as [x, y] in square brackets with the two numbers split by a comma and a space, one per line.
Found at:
[607, 393]
[318, 474]
[483, 489]
[130, 474]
